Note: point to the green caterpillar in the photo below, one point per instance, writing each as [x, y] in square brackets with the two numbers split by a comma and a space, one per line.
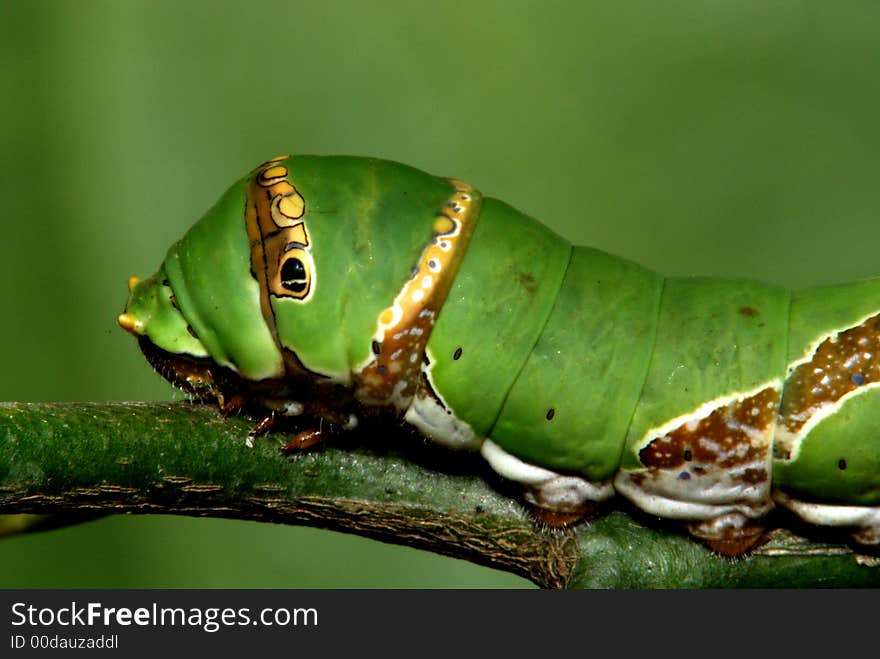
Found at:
[341, 287]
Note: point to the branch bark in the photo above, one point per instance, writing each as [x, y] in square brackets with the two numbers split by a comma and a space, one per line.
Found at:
[87, 459]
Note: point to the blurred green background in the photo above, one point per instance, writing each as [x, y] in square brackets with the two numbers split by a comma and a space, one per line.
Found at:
[701, 137]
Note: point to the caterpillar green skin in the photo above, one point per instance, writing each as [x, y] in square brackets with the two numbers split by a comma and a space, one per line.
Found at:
[336, 287]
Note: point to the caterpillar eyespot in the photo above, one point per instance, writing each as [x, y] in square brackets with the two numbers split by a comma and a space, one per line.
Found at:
[376, 288]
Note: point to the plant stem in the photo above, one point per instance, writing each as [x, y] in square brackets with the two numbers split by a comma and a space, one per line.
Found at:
[88, 459]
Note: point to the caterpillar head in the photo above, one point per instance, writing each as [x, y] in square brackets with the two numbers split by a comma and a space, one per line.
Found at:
[198, 319]
[167, 340]
[240, 296]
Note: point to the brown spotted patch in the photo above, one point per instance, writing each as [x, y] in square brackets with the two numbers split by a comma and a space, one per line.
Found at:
[527, 280]
[842, 363]
[392, 375]
[735, 435]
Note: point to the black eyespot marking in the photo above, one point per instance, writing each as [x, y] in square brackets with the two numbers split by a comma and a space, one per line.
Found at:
[688, 455]
[377, 348]
[550, 414]
[841, 464]
[293, 275]
[293, 269]
[457, 354]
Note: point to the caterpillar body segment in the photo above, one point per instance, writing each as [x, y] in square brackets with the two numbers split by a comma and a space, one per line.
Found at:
[337, 287]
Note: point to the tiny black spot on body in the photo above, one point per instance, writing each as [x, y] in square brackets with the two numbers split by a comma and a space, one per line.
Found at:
[377, 347]
[550, 414]
[841, 464]
[457, 354]
[688, 455]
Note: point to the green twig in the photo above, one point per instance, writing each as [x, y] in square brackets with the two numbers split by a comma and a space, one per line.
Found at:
[90, 459]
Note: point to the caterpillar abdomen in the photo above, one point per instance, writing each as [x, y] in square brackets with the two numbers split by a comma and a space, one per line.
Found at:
[338, 287]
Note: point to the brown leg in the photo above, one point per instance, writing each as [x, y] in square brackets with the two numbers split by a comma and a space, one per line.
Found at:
[263, 426]
[729, 535]
[232, 406]
[305, 440]
[556, 519]
[556, 515]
